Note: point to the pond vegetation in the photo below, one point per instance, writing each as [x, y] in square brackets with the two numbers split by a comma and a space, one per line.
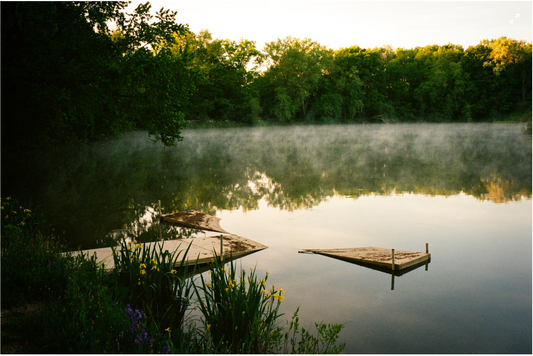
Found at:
[141, 306]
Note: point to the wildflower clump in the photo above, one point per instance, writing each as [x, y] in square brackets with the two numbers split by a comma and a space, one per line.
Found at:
[137, 327]
[155, 280]
[240, 315]
[166, 349]
[16, 214]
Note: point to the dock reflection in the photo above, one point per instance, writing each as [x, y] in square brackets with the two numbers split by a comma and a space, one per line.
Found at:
[385, 269]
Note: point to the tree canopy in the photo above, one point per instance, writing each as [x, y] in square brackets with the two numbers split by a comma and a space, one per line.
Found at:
[78, 71]
[431, 83]
[68, 77]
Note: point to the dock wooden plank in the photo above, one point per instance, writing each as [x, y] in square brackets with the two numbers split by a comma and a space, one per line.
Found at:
[202, 248]
[376, 256]
[193, 219]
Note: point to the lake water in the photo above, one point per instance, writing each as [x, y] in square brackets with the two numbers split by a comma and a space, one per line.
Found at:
[465, 189]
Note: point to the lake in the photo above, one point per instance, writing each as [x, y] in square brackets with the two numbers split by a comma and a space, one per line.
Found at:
[465, 189]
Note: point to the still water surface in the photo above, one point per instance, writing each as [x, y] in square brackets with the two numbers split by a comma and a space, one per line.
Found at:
[465, 189]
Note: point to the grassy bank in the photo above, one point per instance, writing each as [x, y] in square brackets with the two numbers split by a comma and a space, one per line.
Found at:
[71, 305]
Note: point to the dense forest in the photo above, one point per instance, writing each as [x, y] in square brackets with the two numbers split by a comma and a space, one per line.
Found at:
[78, 71]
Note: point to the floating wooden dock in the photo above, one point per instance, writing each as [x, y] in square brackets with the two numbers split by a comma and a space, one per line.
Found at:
[193, 219]
[382, 259]
[201, 248]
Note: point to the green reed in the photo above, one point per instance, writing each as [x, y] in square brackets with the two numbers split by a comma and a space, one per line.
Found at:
[298, 340]
[155, 280]
[240, 313]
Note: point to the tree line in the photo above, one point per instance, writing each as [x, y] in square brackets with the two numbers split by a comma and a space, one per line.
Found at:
[69, 76]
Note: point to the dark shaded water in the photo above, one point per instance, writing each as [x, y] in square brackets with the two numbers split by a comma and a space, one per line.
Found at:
[465, 189]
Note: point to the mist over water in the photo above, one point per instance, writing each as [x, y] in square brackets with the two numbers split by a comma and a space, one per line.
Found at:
[463, 188]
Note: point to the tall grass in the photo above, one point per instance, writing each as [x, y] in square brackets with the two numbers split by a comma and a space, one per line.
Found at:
[83, 317]
[155, 280]
[298, 340]
[240, 313]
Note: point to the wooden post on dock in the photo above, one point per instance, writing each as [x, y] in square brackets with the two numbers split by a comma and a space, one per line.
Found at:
[427, 251]
[393, 259]
[221, 247]
[160, 231]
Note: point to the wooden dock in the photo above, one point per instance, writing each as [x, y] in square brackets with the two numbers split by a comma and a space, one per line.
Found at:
[386, 260]
[193, 219]
[202, 248]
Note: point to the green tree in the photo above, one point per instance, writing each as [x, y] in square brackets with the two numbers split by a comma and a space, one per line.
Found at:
[369, 66]
[484, 93]
[295, 66]
[221, 76]
[403, 75]
[515, 57]
[440, 96]
[340, 92]
[69, 78]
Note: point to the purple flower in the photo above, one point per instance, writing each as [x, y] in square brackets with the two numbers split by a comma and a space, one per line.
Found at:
[149, 341]
[137, 327]
[166, 349]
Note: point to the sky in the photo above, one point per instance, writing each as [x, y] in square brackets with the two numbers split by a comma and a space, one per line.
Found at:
[344, 23]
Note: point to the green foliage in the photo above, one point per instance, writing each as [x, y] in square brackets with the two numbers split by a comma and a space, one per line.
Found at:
[240, 314]
[298, 340]
[155, 280]
[284, 108]
[254, 111]
[304, 81]
[82, 317]
[27, 256]
[329, 106]
[294, 73]
[219, 72]
[14, 214]
[440, 95]
[137, 308]
[72, 80]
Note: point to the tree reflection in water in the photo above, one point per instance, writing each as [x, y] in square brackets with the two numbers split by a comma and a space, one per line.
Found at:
[97, 193]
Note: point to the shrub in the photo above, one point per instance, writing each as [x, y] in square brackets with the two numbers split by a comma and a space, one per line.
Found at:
[84, 319]
[27, 256]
